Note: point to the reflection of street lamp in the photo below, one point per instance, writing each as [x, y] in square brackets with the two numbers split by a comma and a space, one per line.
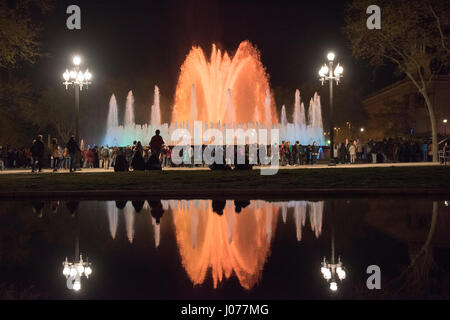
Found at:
[73, 271]
[76, 270]
[326, 73]
[332, 271]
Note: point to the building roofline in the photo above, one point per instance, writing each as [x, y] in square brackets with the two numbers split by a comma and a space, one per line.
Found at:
[404, 81]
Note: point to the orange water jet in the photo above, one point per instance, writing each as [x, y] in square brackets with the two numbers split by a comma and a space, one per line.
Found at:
[244, 74]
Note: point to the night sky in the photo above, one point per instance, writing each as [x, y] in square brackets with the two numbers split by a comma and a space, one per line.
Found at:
[137, 44]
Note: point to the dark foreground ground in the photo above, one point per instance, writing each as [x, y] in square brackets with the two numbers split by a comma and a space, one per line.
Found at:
[421, 180]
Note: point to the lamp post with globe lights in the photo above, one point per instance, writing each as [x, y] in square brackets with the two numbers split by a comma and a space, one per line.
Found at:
[327, 73]
[78, 79]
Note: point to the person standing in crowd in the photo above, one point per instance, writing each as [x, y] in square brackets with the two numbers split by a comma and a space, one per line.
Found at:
[335, 155]
[446, 152]
[104, 157]
[137, 163]
[156, 144]
[73, 149]
[90, 157]
[342, 153]
[395, 150]
[56, 154]
[314, 153]
[374, 152]
[297, 153]
[352, 151]
[2, 163]
[359, 149]
[283, 153]
[37, 151]
[425, 151]
[96, 157]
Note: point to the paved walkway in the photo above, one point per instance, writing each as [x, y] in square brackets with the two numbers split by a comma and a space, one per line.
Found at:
[317, 166]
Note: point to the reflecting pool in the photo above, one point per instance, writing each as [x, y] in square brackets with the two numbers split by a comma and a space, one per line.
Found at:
[225, 249]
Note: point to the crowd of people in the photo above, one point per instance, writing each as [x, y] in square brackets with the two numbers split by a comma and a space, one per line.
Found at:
[384, 151]
[157, 154]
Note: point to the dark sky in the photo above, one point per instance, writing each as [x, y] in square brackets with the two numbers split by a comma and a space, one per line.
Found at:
[136, 44]
[129, 39]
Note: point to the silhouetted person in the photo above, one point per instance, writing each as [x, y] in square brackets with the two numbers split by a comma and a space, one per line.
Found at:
[138, 204]
[153, 162]
[120, 204]
[138, 163]
[157, 209]
[240, 204]
[72, 206]
[156, 143]
[218, 206]
[38, 208]
[54, 205]
[121, 162]
[74, 150]
[37, 152]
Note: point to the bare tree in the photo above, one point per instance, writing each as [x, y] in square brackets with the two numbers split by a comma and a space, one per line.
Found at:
[413, 36]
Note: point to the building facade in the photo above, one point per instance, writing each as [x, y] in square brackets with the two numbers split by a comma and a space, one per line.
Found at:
[399, 110]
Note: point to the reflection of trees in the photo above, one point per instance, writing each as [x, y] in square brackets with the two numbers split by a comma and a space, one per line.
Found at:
[11, 292]
[421, 278]
[415, 279]
[20, 231]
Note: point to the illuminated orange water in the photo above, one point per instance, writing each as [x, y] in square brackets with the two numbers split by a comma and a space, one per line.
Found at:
[227, 244]
[244, 74]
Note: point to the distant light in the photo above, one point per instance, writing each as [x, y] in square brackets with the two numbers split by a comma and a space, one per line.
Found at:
[66, 75]
[77, 285]
[80, 76]
[73, 74]
[87, 75]
[362, 129]
[333, 286]
[329, 142]
[330, 56]
[76, 60]
[66, 271]
[444, 121]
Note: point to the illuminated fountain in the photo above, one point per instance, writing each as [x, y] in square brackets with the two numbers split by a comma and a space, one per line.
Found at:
[222, 92]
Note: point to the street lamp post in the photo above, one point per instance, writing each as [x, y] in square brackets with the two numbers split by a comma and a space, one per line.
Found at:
[78, 79]
[445, 125]
[327, 73]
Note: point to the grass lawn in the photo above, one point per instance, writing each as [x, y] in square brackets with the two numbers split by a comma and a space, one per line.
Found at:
[395, 179]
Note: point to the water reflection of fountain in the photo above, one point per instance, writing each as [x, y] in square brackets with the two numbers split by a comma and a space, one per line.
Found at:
[223, 92]
[224, 237]
[301, 208]
[226, 242]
